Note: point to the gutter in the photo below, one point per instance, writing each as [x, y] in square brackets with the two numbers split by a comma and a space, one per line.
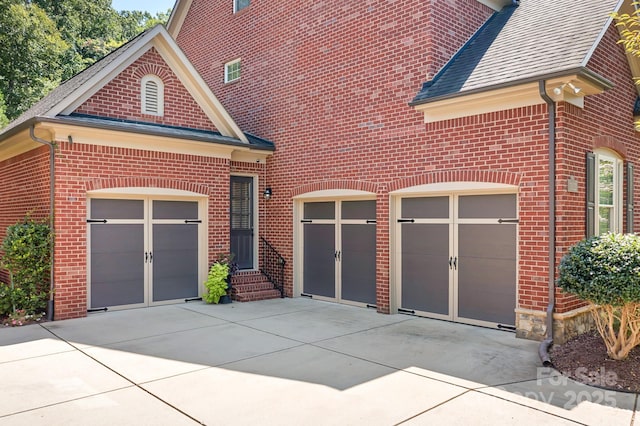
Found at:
[583, 72]
[52, 180]
[543, 350]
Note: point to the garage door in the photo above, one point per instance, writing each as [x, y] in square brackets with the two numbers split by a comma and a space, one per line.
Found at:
[458, 257]
[339, 260]
[142, 252]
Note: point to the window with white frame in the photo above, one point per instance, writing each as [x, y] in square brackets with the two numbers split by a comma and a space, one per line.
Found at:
[152, 94]
[238, 5]
[232, 71]
[605, 175]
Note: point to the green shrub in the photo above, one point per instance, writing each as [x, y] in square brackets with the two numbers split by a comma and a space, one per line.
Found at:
[605, 271]
[216, 283]
[27, 257]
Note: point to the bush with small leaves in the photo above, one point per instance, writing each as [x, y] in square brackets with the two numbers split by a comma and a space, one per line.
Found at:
[605, 271]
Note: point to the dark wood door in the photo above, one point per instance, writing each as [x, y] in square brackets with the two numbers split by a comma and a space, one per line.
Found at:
[241, 216]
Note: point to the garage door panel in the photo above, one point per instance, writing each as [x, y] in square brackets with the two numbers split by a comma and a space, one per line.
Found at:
[117, 268]
[359, 263]
[175, 261]
[495, 241]
[425, 268]
[487, 290]
[487, 272]
[319, 260]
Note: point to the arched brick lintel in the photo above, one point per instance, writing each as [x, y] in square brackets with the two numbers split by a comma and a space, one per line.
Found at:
[144, 182]
[487, 176]
[610, 142]
[356, 185]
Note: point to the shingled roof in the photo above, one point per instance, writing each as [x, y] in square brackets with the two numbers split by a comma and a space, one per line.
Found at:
[534, 40]
[59, 104]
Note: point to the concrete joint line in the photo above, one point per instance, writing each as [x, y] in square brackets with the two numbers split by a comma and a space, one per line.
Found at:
[124, 377]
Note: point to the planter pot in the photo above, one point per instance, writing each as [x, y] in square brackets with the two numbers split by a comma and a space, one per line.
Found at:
[225, 299]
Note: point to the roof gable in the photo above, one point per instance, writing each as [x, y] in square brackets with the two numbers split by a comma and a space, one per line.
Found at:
[70, 95]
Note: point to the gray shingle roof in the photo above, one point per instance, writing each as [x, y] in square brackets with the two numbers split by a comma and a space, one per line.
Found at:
[538, 38]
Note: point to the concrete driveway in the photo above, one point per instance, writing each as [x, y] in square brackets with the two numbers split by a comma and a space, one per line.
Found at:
[288, 362]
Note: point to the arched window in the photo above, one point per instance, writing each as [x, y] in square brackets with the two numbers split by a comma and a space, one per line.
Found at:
[152, 94]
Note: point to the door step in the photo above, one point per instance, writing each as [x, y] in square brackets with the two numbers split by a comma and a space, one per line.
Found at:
[249, 286]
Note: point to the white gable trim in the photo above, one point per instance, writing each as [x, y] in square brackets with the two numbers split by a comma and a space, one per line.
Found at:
[178, 15]
[159, 38]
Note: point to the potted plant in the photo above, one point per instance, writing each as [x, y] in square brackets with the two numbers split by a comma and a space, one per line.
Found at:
[218, 283]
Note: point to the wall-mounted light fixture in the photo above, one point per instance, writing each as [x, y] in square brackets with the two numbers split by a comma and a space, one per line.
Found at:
[558, 90]
[267, 193]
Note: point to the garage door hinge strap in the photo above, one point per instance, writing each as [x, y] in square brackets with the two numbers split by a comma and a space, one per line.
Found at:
[192, 221]
[406, 311]
[306, 221]
[372, 221]
[507, 327]
[406, 220]
[96, 220]
[508, 220]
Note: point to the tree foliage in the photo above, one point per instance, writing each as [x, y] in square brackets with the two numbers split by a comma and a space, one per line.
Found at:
[44, 42]
[30, 48]
[605, 271]
[629, 26]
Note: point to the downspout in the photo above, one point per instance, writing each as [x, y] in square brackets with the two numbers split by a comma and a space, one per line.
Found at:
[52, 180]
[543, 350]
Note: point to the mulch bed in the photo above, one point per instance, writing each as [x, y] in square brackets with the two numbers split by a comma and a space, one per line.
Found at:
[585, 360]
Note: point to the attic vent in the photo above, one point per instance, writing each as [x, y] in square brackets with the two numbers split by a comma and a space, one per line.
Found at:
[152, 95]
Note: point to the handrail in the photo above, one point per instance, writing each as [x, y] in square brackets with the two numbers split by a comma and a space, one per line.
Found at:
[272, 265]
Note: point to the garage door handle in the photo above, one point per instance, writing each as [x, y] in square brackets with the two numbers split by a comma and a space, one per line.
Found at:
[453, 263]
[146, 257]
[508, 220]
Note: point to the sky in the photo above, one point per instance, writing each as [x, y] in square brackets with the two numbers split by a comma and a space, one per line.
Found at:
[151, 6]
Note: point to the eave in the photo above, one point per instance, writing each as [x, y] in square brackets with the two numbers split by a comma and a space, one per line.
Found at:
[516, 94]
[17, 141]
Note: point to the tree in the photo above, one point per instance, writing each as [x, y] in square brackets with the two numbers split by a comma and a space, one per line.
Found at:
[629, 26]
[43, 42]
[31, 50]
[3, 117]
[605, 271]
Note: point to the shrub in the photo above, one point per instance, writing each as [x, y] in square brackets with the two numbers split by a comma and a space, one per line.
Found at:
[27, 257]
[605, 271]
[216, 283]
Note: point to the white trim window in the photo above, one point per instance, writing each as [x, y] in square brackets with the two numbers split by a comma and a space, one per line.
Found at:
[604, 193]
[152, 95]
[232, 71]
[238, 5]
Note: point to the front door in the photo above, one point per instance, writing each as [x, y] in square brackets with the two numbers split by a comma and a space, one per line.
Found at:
[241, 216]
[142, 251]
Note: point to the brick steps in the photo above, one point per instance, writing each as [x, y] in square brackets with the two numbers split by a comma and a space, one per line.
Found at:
[252, 286]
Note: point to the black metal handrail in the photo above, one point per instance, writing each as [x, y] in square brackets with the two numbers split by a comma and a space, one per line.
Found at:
[272, 265]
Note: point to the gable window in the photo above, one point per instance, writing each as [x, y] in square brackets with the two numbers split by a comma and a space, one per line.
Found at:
[238, 5]
[152, 94]
[232, 71]
[605, 195]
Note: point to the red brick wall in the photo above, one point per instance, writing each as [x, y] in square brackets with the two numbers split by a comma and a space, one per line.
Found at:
[605, 121]
[25, 186]
[121, 99]
[84, 167]
[329, 83]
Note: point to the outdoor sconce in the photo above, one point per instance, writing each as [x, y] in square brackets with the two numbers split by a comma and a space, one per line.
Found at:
[267, 193]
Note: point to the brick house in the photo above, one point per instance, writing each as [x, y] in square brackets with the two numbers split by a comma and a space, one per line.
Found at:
[433, 158]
